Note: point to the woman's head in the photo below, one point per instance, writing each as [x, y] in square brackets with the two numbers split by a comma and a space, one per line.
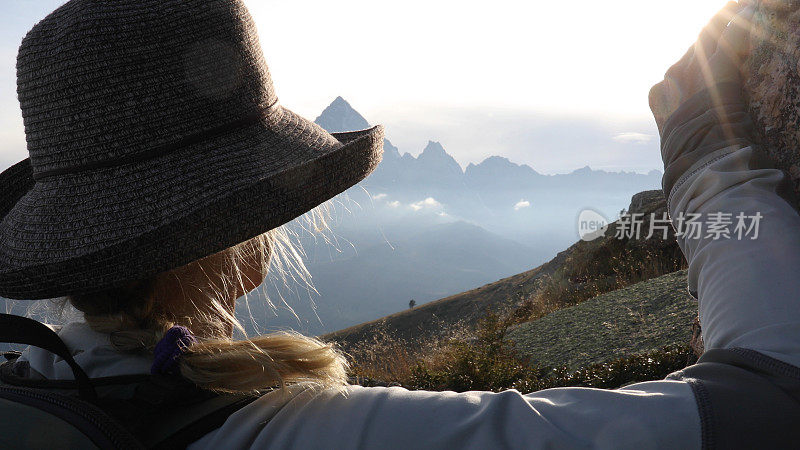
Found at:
[202, 296]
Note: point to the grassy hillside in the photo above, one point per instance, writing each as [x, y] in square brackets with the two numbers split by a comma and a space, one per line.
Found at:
[581, 272]
[432, 320]
[634, 320]
[638, 333]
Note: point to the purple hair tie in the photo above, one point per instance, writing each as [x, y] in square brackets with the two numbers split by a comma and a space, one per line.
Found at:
[169, 350]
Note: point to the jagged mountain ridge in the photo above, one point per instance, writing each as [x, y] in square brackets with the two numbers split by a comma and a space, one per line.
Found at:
[435, 167]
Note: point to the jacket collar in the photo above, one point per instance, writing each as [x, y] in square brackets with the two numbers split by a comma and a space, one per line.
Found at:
[93, 351]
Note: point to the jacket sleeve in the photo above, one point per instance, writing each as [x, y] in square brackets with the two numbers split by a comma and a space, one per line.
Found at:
[660, 414]
[747, 281]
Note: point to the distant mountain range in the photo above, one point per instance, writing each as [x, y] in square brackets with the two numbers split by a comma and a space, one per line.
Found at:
[435, 167]
[512, 200]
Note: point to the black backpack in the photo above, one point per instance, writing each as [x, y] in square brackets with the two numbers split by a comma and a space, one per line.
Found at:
[146, 411]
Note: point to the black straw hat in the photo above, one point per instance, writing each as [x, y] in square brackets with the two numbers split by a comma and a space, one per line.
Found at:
[155, 139]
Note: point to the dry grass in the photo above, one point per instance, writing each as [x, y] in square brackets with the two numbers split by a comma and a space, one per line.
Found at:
[487, 360]
[633, 320]
[388, 359]
[600, 267]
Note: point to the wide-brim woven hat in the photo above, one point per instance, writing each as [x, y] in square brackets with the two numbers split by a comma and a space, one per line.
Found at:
[155, 139]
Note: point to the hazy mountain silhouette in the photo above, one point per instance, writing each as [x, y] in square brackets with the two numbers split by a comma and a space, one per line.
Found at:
[435, 168]
[500, 173]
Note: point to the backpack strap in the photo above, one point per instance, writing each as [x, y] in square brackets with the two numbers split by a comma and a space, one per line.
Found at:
[168, 412]
[22, 330]
[188, 425]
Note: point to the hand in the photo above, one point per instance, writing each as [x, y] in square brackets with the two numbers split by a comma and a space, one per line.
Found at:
[715, 58]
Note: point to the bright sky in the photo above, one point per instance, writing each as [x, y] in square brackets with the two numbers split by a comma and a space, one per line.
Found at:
[573, 56]
[405, 63]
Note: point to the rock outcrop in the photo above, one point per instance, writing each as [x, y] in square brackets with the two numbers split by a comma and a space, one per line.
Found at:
[648, 202]
[772, 85]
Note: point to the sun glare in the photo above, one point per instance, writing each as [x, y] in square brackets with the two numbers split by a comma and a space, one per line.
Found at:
[579, 56]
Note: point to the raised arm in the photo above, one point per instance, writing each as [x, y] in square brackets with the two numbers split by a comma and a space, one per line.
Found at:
[747, 280]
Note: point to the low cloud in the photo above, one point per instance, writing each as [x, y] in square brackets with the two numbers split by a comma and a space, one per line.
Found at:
[522, 204]
[428, 203]
[394, 204]
[379, 197]
[633, 138]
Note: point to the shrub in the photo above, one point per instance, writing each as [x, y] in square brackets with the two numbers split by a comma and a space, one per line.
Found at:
[387, 359]
[486, 362]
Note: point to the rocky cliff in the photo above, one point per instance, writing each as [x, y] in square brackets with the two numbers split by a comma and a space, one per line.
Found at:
[773, 83]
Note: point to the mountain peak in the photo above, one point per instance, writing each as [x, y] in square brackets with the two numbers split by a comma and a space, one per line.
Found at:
[390, 151]
[503, 163]
[340, 116]
[434, 149]
[498, 160]
[583, 171]
[435, 156]
[496, 170]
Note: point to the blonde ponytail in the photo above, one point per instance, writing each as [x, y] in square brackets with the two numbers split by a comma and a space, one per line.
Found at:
[271, 360]
[135, 317]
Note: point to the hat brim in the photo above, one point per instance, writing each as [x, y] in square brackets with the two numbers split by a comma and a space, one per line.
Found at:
[93, 230]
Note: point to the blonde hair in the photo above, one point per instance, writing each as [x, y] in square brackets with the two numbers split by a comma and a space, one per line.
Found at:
[137, 316]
